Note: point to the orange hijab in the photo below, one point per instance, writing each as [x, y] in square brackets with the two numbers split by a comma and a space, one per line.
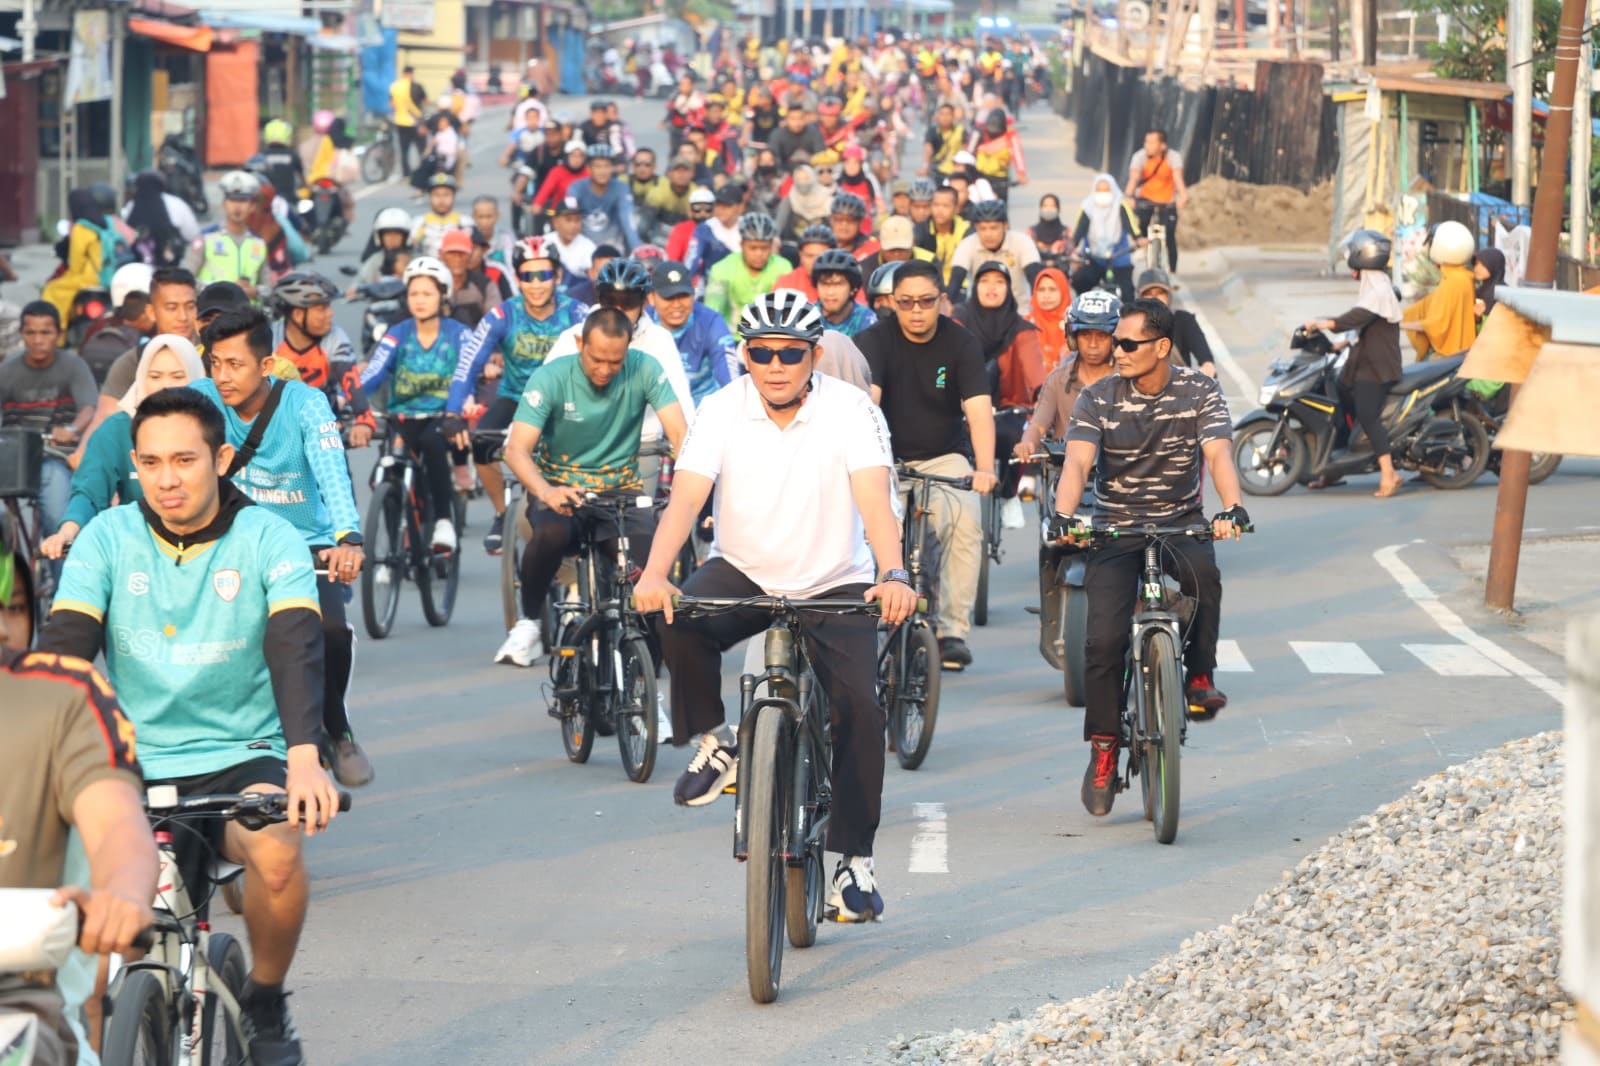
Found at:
[1052, 325]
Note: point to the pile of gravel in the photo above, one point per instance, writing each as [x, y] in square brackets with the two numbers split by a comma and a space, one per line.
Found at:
[1426, 932]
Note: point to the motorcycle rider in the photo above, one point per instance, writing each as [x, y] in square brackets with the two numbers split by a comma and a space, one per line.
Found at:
[391, 229]
[1374, 361]
[229, 251]
[442, 215]
[1189, 344]
[282, 162]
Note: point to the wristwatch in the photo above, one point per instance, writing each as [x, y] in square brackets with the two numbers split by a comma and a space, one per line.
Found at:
[897, 575]
[350, 540]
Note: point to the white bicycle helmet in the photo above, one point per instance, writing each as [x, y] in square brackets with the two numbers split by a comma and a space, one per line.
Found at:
[392, 218]
[782, 313]
[426, 266]
[130, 278]
[239, 185]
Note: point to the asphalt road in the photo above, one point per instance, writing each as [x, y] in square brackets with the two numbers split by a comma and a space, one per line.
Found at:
[488, 901]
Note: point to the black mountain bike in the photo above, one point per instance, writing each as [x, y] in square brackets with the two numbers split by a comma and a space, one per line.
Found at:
[1155, 720]
[23, 453]
[397, 535]
[602, 672]
[784, 798]
[908, 654]
[180, 1003]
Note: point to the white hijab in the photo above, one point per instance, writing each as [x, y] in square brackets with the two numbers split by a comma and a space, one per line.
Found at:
[1377, 295]
[187, 354]
[1105, 223]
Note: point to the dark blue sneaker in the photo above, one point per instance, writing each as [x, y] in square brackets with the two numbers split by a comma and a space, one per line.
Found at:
[494, 540]
[714, 767]
[855, 896]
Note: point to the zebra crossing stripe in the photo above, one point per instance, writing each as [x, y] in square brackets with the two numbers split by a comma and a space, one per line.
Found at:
[1231, 660]
[1334, 657]
[1456, 660]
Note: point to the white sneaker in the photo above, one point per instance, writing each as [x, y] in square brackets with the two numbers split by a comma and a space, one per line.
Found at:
[522, 644]
[663, 719]
[444, 535]
[1011, 514]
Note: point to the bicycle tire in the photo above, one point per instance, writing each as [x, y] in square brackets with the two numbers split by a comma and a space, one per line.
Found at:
[1075, 602]
[140, 1029]
[438, 590]
[804, 894]
[991, 535]
[916, 696]
[221, 1046]
[766, 803]
[511, 563]
[577, 736]
[1164, 708]
[375, 164]
[636, 714]
[380, 601]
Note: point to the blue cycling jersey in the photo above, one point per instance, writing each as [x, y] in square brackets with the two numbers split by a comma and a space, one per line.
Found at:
[421, 375]
[184, 627]
[707, 349]
[299, 470]
[860, 317]
[522, 340]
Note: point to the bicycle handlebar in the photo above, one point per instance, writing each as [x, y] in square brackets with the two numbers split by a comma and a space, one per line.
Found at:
[964, 482]
[777, 605]
[253, 810]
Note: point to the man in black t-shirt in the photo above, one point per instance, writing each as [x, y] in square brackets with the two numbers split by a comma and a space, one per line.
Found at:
[929, 378]
[1189, 344]
[1143, 432]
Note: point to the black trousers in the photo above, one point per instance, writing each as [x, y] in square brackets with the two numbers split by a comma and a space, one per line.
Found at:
[425, 438]
[338, 656]
[1145, 210]
[555, 536]
[1367, 400]
[1008, 427]
[1090, 274]
[1112, 583]
[843, 650]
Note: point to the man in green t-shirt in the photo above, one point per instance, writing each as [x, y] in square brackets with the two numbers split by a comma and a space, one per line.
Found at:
[577, 431]
[737, 280]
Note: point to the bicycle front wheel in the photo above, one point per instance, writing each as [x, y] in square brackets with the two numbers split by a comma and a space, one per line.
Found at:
[765, 798]
[991, 535]
[386, 565]
[914, 708]
[375, 164]
[636, 710]
[439, 591]
[511, 563]
[1162, 727]
[219, 1040]
[139, 1031]
[804, 895]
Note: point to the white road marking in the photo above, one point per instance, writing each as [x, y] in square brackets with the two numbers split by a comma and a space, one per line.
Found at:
[1230, 660]
[1226, 363]
[1455, 660]
[930, 848]
[1451, 623]
[1334, 657]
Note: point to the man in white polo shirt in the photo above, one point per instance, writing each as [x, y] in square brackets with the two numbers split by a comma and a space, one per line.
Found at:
[803, 509]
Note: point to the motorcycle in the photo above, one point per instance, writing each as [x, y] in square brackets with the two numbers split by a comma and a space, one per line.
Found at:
[385, 300]
[180, 168]
[89, 306]
[321, 214]
[1290, 438]
[1492, 412]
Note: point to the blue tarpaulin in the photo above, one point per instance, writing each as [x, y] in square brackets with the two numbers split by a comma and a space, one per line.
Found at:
[572, 52]
[378, 73]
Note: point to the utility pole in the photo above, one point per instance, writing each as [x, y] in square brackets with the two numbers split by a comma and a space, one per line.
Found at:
[1582, 146]
[1519, 71]
[1511, 499]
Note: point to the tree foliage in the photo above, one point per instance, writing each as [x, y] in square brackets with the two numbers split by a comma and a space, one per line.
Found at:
[1475, 48]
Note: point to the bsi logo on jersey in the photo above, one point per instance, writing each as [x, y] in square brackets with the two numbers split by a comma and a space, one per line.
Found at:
[227, 583]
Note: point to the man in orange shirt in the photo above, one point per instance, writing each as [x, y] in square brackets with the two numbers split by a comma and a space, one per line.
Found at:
[1155, 184]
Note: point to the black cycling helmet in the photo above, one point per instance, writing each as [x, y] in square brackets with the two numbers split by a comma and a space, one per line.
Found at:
[304, 288]
[994, 124]
[623, 275]
[990, 211]
[1097, 310]
[757, 226]
[1367, 249]
[882, 281]
[817, 233]
[837, 261]
[922, 190]
[848, 204]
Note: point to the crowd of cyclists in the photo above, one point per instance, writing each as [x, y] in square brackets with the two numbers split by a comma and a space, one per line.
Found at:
[802, 301]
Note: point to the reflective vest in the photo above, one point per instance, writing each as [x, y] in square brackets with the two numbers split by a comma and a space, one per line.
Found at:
[229, 259]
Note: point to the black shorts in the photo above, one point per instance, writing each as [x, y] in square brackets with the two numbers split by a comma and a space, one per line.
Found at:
[193, 859]
[499, 415]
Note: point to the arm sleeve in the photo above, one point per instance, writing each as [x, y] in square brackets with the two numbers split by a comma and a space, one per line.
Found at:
[724, 351]
[1356, 318]
[868, 445]
[972, 377]
[1085, 419]
[324, 451]
[474, 354]
[868, 343]
[717, 293]
[382, 362]
[625, 218]
[1016, 153]
[85, 393]
[1044, 411]
[293, 643]
[1214, 422]
[1196, 347]
[94, 483]
[1080, 232]
[87, 577]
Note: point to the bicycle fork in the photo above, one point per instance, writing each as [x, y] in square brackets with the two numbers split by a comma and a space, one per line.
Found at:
[780, 677]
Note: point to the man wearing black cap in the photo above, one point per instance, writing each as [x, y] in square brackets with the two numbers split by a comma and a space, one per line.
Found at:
[1189, 345]
[708, 350]
[596, 129]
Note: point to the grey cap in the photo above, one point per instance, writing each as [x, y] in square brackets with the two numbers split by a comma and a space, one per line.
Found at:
[1155, 277]
[672, 279]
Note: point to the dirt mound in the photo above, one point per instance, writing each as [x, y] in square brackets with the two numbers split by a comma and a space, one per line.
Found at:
[1224, 213]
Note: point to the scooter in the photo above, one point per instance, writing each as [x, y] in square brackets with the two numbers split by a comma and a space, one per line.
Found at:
[1492, 412]
[88, 307]
[180, 168]
[1290, 438]
[321, 214]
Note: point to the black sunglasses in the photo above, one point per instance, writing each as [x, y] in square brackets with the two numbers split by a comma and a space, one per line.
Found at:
[920, 303]
[1128, 344]
[761, 355]
[625, 301]
[537, 275]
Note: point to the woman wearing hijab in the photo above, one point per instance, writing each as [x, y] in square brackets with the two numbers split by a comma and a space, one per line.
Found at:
[159, 242]
[807, 204]
[1442, 323]
[85, 254]
[1047, 310]
[1374, 361]
[1049, 234]
[1016, 368]
[1105, 237]
[105, 473]
[1488, 271]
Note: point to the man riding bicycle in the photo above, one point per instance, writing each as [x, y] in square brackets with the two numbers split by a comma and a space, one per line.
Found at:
[1155, 184]
[210, 606]
[577, 431]
[305, 335]
[793, 450]
[1143, 431]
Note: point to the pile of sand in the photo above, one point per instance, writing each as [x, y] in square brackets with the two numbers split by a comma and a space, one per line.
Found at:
[1223, 213]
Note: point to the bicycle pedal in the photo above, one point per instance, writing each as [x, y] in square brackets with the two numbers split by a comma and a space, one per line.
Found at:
[833, 914]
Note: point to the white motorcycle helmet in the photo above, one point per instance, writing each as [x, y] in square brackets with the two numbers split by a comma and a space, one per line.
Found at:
[392, 218]
[1452, 244]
